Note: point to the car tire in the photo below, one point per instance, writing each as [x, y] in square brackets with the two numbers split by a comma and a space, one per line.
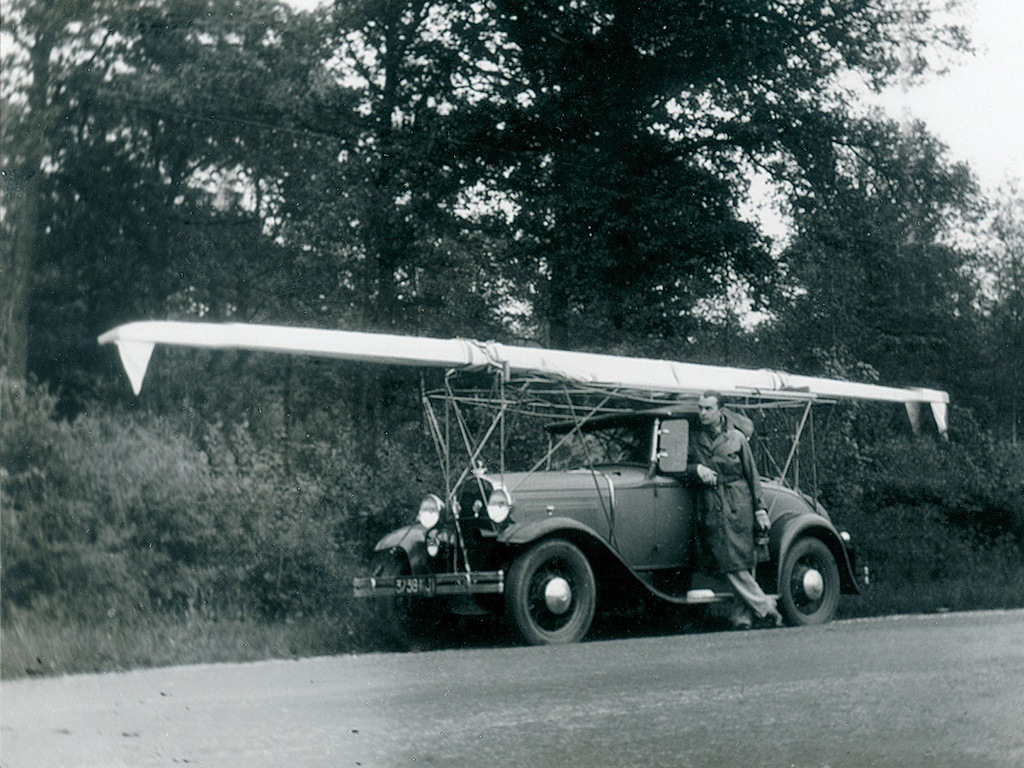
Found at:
[406, 623]
[550, 595]
[809, 583]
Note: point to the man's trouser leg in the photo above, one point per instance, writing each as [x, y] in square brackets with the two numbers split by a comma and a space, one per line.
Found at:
[751, 595]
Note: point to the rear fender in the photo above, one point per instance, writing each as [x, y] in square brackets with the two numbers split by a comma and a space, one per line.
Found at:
[787, 529]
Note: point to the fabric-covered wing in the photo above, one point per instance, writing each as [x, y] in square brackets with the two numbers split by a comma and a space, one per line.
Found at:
[135, 342]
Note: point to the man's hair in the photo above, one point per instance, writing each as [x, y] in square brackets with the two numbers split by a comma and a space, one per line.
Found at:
[715, 394]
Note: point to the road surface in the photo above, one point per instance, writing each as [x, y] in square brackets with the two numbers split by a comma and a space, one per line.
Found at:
[942, 690]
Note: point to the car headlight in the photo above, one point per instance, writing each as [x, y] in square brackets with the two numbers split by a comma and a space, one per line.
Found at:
[499, 505]
[430, 511]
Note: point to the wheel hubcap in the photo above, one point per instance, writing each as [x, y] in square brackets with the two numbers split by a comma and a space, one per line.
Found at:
[557, 595]
[813, 584]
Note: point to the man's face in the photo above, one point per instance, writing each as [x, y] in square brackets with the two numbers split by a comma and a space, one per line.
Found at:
[708, 411]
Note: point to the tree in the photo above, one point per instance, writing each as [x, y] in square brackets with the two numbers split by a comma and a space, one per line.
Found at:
[47, 38]
[629, 132]
[876, 275]
[152, 195]
[1000, 273]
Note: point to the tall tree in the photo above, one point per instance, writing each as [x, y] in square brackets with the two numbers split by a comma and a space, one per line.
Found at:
[631, 129]
[152, 189]
[1000, 273]
[877, 276]
[48, 40]
[389, 206]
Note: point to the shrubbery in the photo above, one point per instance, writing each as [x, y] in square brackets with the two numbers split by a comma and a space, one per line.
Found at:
[940, 524]
[114, 513]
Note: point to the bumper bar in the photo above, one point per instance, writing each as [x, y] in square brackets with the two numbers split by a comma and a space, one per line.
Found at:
[476, 583]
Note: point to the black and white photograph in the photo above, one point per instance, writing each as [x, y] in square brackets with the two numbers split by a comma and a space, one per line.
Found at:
[562, 383]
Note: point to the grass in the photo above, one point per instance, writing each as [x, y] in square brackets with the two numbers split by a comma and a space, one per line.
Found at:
[980, 592]
[32, 645]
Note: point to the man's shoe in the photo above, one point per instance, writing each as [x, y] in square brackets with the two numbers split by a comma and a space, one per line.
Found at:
[769, 621]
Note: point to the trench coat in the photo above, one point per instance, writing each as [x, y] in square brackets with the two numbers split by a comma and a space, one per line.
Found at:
[725, 519]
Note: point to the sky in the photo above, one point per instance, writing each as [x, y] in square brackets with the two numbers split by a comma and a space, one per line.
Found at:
[977, 108]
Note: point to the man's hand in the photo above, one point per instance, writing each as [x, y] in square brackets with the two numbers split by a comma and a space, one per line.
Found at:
[763, 521]
[707, 475]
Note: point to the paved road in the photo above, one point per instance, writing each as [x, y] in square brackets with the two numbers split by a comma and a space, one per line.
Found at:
[944, 690]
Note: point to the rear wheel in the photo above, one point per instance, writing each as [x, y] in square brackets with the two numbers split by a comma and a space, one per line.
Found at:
[550, 596]
[809, 585]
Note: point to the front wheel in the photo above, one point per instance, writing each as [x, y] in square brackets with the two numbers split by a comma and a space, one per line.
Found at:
[550, 595]
[809, 584]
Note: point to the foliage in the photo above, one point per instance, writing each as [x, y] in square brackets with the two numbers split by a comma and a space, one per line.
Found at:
[425, 167]
[635, 130]
[108, 513]
[998, 267]
[875, 278]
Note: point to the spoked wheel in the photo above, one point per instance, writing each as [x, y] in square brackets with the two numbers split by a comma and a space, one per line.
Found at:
[550, 595]
[407, 622]
[809, 585]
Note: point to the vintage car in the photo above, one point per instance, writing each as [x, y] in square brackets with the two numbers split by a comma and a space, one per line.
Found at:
[604, 515]
[608, 520]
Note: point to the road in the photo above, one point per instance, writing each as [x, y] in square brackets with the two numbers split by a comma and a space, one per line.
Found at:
[942, 690]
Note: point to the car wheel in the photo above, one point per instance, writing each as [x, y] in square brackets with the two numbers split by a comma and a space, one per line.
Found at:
[407, 622]
[809, 584]
[550, 595]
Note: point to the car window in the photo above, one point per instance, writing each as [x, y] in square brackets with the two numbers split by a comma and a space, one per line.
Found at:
[618, 445]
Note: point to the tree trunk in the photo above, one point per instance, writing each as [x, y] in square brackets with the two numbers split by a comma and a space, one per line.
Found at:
[19, 260]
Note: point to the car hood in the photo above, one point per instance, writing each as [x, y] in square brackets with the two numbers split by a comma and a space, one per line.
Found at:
[581, 480]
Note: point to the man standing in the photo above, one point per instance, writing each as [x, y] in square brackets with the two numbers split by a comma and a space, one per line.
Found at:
[730, 491]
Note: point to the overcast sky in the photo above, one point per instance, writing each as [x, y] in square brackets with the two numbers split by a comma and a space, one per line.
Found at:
[977, 108]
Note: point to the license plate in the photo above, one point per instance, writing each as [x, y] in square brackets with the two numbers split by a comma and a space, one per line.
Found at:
[421, 586]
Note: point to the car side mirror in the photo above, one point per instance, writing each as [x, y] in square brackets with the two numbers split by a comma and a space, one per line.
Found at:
[673, 445]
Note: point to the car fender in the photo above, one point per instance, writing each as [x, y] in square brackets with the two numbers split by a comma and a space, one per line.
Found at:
[597, 550]
[603, 558]
[524, 533]
[410, 539]
[788, 528]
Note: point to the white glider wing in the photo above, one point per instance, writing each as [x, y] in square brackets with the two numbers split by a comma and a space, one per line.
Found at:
[135, 343]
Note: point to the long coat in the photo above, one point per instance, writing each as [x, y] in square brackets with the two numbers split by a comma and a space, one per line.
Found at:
[725, 526]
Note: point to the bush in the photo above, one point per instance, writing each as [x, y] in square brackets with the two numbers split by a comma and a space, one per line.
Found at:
[110, 513]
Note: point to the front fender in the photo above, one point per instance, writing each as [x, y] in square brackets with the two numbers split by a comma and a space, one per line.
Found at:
[524, 533]
[412, 540]
[788, 528]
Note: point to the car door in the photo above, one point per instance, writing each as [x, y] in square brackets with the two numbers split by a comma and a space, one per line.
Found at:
[652, 519]
[634, 533]
[673, 520]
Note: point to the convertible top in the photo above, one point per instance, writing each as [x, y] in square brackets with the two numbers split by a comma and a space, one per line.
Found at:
[135, 343]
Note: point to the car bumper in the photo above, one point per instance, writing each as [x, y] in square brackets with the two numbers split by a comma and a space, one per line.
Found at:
[475, 583]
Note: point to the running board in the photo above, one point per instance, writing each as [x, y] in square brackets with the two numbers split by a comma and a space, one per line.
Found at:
[696, 596]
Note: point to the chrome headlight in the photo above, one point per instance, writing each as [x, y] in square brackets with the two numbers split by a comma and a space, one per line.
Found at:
[430, 511]
[499, 505]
